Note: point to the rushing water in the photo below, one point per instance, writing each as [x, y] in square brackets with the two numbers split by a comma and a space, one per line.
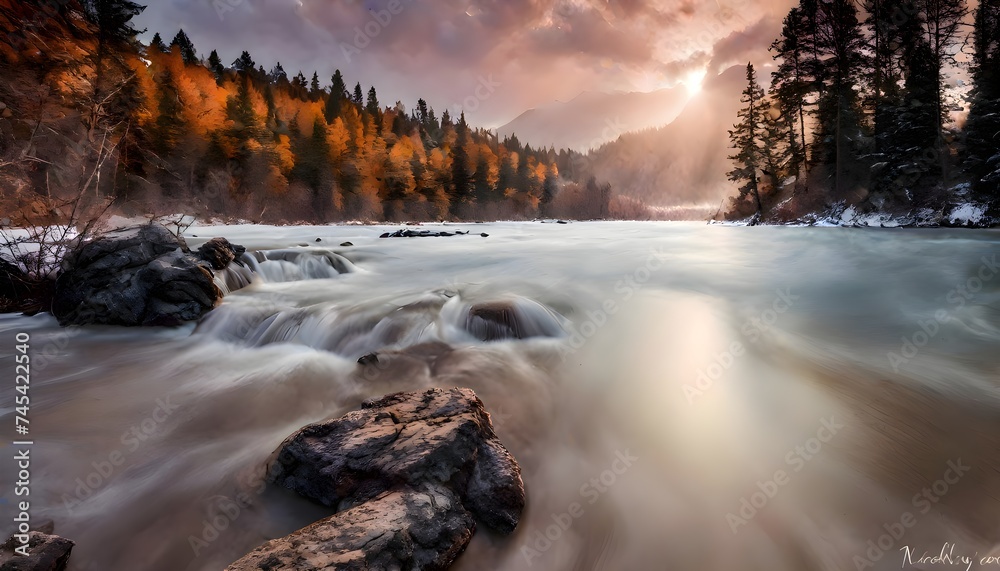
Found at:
[756, 380]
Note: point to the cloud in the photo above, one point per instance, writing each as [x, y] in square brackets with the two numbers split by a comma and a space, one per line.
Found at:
[537, 50]
[744, 45]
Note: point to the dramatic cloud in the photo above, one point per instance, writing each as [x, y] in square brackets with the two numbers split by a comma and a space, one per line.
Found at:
[528, 51]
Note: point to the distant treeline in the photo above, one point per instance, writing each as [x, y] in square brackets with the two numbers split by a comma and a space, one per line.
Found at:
[160, 128]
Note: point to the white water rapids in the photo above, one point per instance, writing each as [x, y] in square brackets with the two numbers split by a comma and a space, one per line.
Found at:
[679, 396]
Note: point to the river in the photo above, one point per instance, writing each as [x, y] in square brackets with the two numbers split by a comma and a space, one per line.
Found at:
[685, 397]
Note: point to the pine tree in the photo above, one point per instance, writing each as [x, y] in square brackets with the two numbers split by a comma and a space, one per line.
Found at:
[215, 65]
[183, 43]
[943, 19]
[359, 97]
[422, 112]
[337, 98]
[792, 85]
[461, 177]
[745, 139]
[157, 43]
[315, 93]
[841, 43]
[982, 155]
[372, 106]
[169, 119]
[113, 19]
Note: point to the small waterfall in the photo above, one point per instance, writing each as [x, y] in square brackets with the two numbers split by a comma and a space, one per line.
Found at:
[234, 277]
[353, 332]
[297, 264]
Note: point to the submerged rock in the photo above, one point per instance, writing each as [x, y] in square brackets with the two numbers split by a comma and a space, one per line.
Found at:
[143, 275]
[403, 529]
[411, 472]
[45, 553]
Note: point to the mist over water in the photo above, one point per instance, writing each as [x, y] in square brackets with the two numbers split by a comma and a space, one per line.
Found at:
[679, 396]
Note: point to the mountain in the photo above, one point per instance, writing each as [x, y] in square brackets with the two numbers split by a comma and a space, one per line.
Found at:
[684, 162]
[593, 118]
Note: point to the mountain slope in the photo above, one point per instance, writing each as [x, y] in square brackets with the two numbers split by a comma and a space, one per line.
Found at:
[592, 119]
[681, 163]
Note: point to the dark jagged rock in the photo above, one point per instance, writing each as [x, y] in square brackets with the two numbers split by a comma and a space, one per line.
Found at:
[346, 244]
[411, 474]
[369, 359]
[403, 529]
[424, 234]
[143, 275]
[219, 253]
[45, 553]
[437, 436]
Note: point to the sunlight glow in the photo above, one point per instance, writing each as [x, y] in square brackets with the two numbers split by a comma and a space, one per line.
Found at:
[693, 80]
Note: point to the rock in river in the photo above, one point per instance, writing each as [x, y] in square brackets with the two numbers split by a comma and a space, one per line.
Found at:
[45, 553]
[411, 473]
[143, 275]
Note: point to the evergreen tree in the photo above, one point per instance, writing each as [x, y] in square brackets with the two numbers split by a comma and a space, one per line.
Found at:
[745, 139]
[550, 187]
[215, 65]
[942, 18]
[113, 19]
[792, 85]
[337, 98]
[169, 120]
[183, 43]
[777, 146]
[841, 44]
[315, 93]
[422, 112]
[359, 98]
[372, 106]
[482, 191]
[982, 155]
[157, 43]
[461, 177]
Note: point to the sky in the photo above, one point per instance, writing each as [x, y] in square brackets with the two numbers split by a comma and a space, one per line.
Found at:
[493, 59]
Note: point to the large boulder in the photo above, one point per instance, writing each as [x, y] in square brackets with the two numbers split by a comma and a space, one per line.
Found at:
[439, 436]
[409, 473]
[404, 529]
[143, 275]
[45, 553]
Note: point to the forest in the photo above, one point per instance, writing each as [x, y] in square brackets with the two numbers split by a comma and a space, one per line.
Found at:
[869, 109]
[90, 111]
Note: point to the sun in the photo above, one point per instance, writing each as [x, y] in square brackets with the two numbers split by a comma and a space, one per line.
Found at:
[693, 80]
